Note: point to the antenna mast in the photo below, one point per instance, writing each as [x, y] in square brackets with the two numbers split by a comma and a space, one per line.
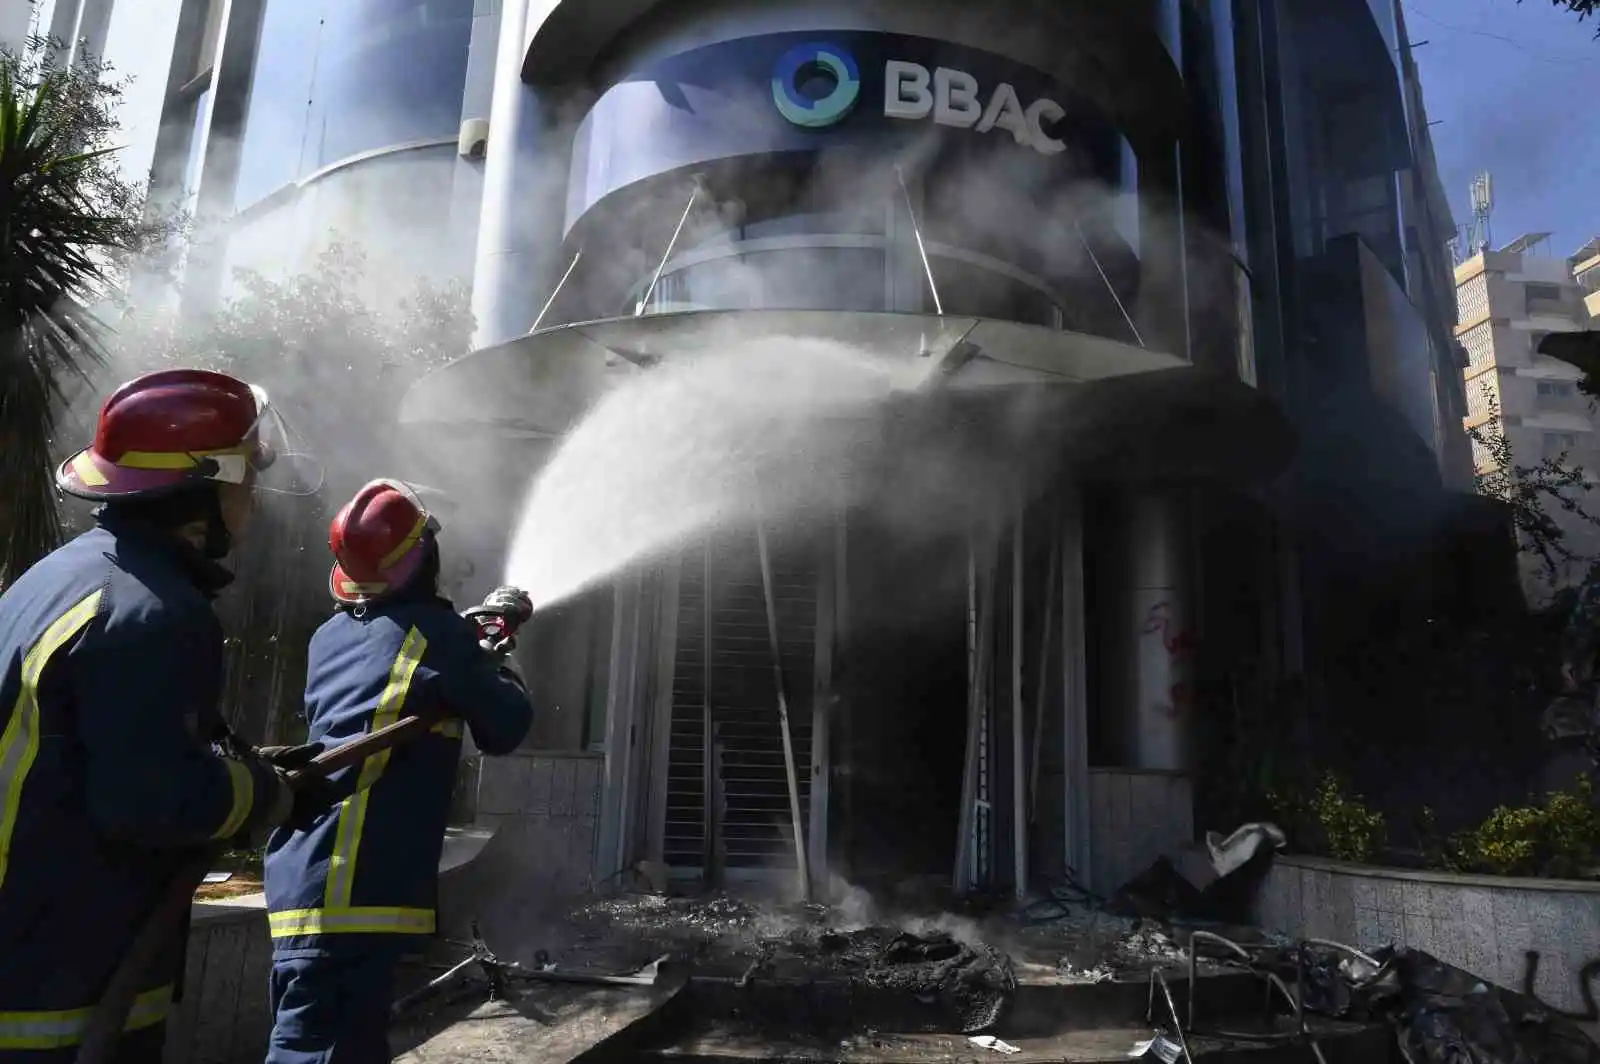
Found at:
[1482, 206]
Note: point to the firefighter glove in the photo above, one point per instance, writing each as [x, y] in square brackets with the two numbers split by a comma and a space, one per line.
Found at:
[512, 603]
[499, 616]
[289, 758]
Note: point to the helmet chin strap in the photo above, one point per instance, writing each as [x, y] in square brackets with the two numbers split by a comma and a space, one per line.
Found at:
[219, 541]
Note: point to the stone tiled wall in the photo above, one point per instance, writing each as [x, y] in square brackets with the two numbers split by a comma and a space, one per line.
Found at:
[224, 1016]
[1134, 817]
[543, 808]
[1484, 924]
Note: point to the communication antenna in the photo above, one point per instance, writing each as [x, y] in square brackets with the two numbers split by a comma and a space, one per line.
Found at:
[1482, 207]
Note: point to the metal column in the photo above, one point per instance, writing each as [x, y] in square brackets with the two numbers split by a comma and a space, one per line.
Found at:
[1074, 687]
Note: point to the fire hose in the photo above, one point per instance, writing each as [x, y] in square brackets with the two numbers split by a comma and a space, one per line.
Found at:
[497, 621]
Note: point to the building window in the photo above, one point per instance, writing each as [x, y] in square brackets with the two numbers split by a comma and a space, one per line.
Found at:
[1482, 457]
[1536, 338]
[792, 278]
[1557, 390]
[1472, 299]
[1482, 397]
[1479, 344]
[334, 80]
[1559, 444]
[1549, 292]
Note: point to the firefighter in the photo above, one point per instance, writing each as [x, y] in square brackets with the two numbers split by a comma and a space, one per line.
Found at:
[348, 894]
[110, 672]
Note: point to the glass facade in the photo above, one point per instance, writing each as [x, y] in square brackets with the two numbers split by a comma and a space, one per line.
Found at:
[335, 78]
[772, 235]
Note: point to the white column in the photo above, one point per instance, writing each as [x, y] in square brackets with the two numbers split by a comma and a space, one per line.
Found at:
[524, 193]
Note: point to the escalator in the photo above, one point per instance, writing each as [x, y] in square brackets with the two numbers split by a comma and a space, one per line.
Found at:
[726, 681]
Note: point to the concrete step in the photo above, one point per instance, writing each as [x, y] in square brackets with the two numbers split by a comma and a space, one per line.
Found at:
[1341, 1043]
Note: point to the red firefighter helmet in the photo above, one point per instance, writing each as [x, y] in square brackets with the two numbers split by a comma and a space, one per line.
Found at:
[168, 429]
[378, 541]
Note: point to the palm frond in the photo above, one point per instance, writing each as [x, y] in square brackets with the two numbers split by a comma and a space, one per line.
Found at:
[65, 216]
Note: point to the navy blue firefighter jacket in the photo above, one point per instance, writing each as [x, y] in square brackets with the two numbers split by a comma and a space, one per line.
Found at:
[110, 670]
[367, 869]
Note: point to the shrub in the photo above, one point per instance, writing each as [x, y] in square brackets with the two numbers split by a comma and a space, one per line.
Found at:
[1560, 838]
[1350, 830]
[1328, 821]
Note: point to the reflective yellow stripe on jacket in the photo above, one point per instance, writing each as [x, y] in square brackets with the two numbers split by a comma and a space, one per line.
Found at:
[337, 915]
[244, 800]
[19, 744]
[366, 919]
[66, 1027]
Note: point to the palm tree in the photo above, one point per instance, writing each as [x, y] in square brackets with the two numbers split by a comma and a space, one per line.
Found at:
[66, 220]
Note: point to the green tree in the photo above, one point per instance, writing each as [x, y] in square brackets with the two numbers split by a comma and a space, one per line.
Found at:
[336, 368]
[1582, 8]
[69, 225]
[1533, 494]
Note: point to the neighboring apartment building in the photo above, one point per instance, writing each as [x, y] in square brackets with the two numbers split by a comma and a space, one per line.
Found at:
[1586, 271]
[1507, 301]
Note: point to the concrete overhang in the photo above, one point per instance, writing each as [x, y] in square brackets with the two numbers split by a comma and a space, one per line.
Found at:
[1111, 408]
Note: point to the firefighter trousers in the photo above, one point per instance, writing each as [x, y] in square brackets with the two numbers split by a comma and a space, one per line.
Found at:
[332, 1006]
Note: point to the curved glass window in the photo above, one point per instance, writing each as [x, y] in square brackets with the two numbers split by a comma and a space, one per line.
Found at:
[969, 288]
[335, 78]
[388, 72]
[790, 278]
[773, 234]
[280, 95]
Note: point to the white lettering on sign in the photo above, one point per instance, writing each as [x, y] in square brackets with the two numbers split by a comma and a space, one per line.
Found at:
[954, 98]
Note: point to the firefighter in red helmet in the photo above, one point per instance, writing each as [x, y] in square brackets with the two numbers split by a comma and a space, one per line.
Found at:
[110, 673]
[347, 892]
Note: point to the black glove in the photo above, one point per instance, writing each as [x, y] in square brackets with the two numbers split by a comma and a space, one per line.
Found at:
[289, 758]
[312, 795]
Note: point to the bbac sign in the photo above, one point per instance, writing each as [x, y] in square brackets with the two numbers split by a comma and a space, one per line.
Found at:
[912, 92]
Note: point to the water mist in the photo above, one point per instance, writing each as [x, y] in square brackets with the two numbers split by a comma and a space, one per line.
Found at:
[739, 429]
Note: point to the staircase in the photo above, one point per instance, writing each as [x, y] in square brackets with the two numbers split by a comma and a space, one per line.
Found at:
[750, 822]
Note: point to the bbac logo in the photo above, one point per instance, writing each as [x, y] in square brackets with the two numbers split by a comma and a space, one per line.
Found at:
[796, 81]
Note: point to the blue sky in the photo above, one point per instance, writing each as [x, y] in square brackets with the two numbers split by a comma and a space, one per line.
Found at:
[1517, 87]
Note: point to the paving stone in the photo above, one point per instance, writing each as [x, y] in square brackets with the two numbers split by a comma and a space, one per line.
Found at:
[1419, 933]
[1390, 899]
[1416, 899]
[1450, 941]
[1391, 929]
[1369, 932]
[1342, 908]
[1514, 930]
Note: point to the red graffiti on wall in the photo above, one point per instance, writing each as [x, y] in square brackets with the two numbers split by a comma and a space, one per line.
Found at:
[1180, 646]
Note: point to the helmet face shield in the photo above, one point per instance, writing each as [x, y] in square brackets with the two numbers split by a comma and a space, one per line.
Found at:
[279, 457]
